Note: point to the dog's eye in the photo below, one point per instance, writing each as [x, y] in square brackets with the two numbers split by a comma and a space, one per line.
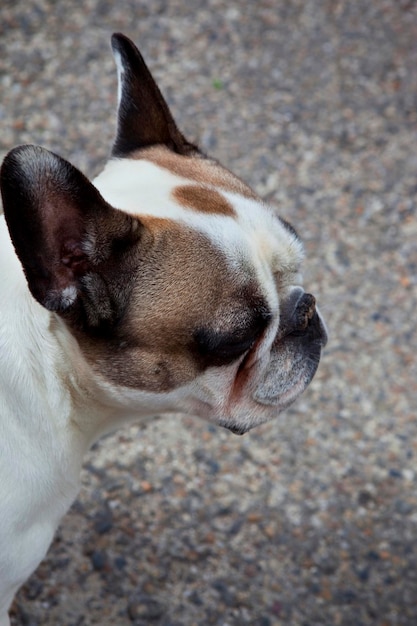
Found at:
[222, 348]
[232, 348]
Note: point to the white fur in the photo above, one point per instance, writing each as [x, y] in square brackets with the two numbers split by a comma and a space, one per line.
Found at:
[255, 235]
[120, 74]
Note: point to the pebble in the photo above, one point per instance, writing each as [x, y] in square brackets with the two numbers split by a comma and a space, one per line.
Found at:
[99, 560]
[225, 594]
[145, 607]
[103, 521]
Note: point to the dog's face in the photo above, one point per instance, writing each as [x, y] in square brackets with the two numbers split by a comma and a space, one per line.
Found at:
[181, 288]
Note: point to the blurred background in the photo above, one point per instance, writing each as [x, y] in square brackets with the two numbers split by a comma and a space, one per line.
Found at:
[310, 520]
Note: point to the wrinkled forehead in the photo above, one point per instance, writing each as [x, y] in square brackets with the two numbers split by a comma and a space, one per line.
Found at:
[202, 197]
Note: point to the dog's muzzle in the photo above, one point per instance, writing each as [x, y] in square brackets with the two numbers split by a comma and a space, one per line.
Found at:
[295, 352]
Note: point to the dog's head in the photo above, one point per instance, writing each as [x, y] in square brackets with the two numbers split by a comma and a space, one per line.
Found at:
[180, 286]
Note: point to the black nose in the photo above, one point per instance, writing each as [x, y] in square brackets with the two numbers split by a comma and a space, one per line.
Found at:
[304, 312]
[299, 317]
[308, 323]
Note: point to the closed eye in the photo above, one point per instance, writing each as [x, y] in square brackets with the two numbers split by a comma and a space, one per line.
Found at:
[232, 348]
[223, 348]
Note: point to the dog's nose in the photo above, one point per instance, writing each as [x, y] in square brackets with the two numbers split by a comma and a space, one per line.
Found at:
[308, 321]
[300, 317]
[304, 312]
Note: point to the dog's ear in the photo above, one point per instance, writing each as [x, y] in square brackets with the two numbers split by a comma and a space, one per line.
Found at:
[68, 239]
[143, 117]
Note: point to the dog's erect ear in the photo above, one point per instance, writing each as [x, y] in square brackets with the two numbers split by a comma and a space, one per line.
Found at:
[144, 118]
[69, 240]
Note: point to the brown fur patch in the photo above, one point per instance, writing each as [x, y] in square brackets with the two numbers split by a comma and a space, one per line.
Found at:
[180, 283]
[196, 168]
[203, 199]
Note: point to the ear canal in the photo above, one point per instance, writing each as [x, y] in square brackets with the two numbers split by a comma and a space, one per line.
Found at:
[143, 117]
[63, 231]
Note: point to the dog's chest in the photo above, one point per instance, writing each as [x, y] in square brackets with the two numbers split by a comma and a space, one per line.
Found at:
[35, 492]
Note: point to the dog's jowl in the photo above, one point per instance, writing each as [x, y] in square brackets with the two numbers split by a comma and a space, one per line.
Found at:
[164, 285]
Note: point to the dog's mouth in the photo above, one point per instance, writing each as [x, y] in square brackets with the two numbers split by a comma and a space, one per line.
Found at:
[277, 379]
[295, 352]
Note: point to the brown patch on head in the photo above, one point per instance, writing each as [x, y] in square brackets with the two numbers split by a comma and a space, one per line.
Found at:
[203, 199]
[197, 168]
[180, 284]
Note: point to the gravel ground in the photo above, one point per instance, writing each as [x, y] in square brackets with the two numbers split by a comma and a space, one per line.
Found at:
[310, 520]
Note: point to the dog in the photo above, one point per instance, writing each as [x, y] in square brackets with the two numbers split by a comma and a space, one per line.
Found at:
[165, 285]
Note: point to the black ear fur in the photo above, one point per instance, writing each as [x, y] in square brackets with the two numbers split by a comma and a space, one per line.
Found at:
[68, 239]
[144, 118]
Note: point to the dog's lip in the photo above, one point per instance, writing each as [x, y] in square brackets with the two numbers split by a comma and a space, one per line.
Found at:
[237, 430]
[245, 369]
